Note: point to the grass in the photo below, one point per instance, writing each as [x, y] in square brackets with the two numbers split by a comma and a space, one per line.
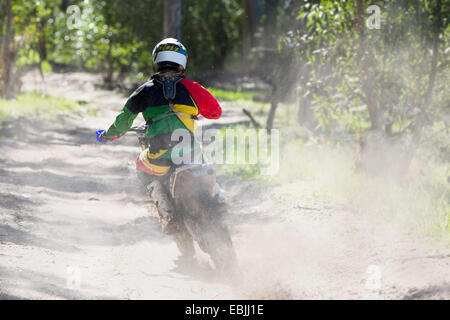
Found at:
[36, 105]
[324, 174]
[228, 95]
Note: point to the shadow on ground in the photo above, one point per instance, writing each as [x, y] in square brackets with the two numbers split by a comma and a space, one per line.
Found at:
[40, 283]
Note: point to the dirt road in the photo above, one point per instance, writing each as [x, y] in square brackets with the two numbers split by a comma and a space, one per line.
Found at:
[76, 224]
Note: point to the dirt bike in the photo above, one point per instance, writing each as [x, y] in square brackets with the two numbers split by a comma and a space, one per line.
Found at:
[192, 190]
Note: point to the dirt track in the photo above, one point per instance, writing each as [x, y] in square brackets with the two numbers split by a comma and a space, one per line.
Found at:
[70, 207]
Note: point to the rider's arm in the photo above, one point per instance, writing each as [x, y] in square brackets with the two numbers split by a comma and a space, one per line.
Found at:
[207, 104]
[122, 124]
[130, 111]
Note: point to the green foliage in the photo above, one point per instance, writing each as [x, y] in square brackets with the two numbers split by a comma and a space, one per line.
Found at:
[211, 32]
[398, 58]
[33, 22]
[119, 36]
[108, 36]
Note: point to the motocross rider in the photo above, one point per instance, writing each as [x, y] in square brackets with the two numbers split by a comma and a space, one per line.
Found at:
[168, 102]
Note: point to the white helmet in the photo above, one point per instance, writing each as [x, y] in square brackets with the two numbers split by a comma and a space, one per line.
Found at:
[168, 52]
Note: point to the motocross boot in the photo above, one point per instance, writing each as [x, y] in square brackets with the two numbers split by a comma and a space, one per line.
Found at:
[166, 210]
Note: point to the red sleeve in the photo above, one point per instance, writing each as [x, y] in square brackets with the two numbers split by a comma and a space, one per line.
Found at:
[206, 103]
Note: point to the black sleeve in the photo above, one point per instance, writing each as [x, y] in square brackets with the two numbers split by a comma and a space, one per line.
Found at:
[137, 101]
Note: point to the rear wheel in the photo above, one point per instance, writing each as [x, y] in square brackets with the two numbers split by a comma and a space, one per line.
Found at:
[211, 234]
[193, 190]
[219, 246]
[184, 241]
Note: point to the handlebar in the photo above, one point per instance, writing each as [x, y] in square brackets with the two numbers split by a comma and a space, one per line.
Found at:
[140, 131]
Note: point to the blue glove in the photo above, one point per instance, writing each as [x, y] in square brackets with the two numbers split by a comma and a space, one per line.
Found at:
[99, 135]
[102, 138]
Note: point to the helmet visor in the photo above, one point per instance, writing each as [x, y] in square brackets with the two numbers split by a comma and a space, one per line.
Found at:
[170, 56]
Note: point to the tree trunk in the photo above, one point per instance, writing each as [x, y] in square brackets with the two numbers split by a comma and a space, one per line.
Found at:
[273, 108]
[8, 55]
[271, 116]
[305, 114]
[427, 99]
[270, 43]
[172, 19]
[109, 66]
[247, 33]
[365, 76]
[434, 60]
[64, 5]
[42, 41]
